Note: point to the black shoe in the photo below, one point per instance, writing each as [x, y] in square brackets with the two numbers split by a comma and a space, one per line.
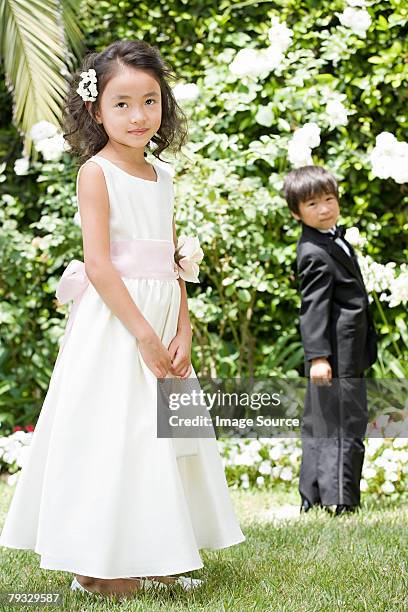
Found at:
[344, 509]
[305, 505]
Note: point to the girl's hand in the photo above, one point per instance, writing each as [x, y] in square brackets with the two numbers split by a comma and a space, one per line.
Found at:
[180, 354]
[155, 354]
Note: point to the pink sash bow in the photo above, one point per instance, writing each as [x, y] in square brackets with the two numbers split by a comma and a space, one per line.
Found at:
[132, 258]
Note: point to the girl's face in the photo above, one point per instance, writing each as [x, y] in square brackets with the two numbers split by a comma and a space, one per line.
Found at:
[131, 101]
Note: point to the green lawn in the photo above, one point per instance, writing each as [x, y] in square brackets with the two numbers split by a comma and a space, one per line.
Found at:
[313, 562]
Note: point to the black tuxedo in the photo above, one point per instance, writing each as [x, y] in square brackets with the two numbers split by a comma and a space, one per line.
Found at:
[335, 318]
[336, 323]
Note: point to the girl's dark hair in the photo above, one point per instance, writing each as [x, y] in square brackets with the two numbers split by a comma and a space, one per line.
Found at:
[85, 136]
[308, 182]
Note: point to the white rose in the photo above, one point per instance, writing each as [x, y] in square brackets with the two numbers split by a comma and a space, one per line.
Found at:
[363, 485]
[22, 455]
[186, 91]
[353, 236]
[360, 3]
[337, 113]
[280, 35]
[399, 290]
[243, 459]
[308, 134]
[286, 474]
[265, 467]
[51, 148]
[244, 62]
[388, 487]
[369, 472]
[254, 446]
[381, 167]
[269, 59]
[264, 116]
[386, 142]
[43, 129]
[400, 442]
[299, 154]
[275, 453]
[77, 219]
[358, 20]
[373, 444]
[21, 166]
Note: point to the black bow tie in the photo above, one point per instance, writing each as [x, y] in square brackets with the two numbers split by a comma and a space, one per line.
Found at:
[339, 232]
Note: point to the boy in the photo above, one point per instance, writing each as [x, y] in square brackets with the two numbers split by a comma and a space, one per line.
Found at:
[339, 342]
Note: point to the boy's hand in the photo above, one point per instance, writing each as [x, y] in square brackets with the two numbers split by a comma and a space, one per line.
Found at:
[180, 354]
[321, 372]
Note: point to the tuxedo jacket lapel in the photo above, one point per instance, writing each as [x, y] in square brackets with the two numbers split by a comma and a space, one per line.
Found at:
[324, 239]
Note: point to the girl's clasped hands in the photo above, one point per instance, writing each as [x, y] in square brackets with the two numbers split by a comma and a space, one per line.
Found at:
[176, 360]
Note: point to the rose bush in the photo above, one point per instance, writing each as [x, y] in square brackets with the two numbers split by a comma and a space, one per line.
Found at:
[266, 463]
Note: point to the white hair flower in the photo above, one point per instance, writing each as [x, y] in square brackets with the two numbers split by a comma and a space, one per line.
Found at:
[87, 85]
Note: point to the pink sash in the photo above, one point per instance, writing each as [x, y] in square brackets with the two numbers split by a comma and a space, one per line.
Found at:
[132, 258]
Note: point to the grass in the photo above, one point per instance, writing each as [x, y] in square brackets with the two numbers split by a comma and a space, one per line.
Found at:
[311, 562]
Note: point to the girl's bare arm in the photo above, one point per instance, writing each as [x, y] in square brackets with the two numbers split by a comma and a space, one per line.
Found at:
[94, 210]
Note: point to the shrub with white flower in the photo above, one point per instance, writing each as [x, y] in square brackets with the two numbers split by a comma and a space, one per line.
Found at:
[260, 462]
[186, 92]
[389, 158]
[399, 288]
[77, 218]
[354, 237]
[388, 280]
[336, 113]
[264, 116]
[13, 453]
[266, 463]
[357, 19]
[254, 62]
[21, 166]
[280, 35]
[303, 141]
[42, 130]
[48, 141]
[52, 148]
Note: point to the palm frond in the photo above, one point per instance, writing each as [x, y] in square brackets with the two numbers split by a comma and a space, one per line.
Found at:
[34, 51]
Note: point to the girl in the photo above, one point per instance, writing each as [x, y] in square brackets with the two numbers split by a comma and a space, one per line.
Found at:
[100, 495]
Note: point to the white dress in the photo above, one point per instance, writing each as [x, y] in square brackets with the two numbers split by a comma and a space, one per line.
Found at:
[100, 494]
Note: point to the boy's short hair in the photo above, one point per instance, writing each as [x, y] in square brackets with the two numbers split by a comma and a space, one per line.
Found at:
[307, 182]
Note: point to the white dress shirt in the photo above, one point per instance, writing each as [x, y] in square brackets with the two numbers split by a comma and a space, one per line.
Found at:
[338, 241]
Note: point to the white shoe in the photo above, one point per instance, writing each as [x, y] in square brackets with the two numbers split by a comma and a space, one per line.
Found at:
[185, 582]
[76, 586]
[188, 583]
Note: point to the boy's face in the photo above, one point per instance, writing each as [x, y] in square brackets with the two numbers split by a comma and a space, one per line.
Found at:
[320, 212]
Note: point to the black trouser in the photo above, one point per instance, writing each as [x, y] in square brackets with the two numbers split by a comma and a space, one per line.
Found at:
[333, 427]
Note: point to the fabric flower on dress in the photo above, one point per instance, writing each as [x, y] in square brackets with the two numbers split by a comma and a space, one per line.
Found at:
[87, 85]
[187, 257]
